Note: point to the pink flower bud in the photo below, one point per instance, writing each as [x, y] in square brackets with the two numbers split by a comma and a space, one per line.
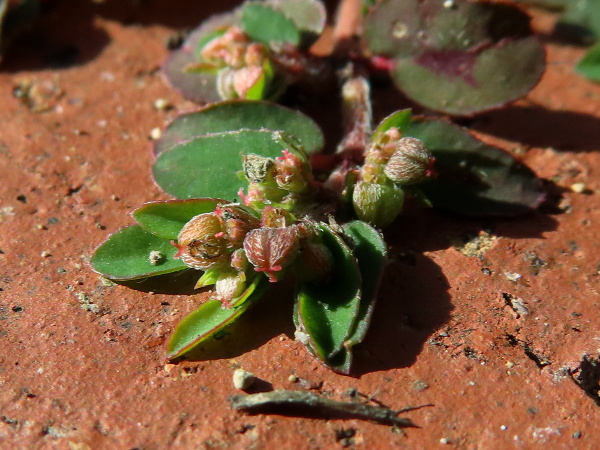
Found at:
[236, 221]
[271, 249]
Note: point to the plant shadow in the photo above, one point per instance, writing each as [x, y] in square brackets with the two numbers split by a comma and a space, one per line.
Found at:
[69, 33]
[413, 303]
[536, 126]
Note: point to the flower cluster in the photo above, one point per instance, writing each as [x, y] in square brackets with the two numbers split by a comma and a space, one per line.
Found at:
[243, 67]
[391, 162]
[236, 242]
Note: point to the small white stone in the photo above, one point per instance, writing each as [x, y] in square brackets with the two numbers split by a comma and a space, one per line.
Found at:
[161, 104]
[243, 379]
[503, 427]
[444, 441]
[155, 134]
[578, 187]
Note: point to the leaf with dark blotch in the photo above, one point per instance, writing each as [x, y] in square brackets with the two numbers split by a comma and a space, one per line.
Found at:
[210, 318]
[166, 219]
[589, 66]
[133, 253]
[326, 314]
[474, 178]
[237, 114]
[308, 15]
[196, 86]
[462, 59]
[207, 166]
[265, 24]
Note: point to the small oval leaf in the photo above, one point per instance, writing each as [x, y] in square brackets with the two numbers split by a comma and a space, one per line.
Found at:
[239, 114]
[166, 219]
[267, 25]
[210, 318]
[589, 66]
[474, 178]
[309, 16]
[327, 313]
[126, 255]
[207, 166]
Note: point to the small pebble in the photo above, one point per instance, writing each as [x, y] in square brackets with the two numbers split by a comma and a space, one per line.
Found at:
[45, 254]
[161, 104]
[444, 441]
[293, 379]
[242, 379]
[155, 134]
[578, 187]
[503, 427]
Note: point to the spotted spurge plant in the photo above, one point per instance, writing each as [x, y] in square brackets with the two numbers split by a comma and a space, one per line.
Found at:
[259, 199]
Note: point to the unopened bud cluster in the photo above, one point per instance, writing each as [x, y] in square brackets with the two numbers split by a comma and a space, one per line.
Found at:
[244, 69]
[391, 162]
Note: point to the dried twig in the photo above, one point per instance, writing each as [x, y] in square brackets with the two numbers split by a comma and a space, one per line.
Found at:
[308, 404]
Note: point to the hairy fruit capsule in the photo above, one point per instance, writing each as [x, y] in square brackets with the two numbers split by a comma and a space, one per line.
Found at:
[201, 243]
[410, 163]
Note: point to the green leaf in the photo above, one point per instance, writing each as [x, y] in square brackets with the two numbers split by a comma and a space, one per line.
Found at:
[327, 313]
[589, 66]
[264, 24]
[207, 166]
[309, 16]
[210, 318]
[460, 60]
[399, 119]
[370, 250]
[166, 219]
[125, 255]
[237, 114]
[474, 178]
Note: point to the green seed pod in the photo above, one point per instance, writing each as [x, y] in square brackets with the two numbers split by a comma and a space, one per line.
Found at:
[410, 163]
[377, 204]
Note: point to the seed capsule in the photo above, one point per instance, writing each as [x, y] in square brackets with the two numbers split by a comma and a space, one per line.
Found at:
[410, 163]
[377, 204]
[200, 242]
[236, 220]
[271, 249]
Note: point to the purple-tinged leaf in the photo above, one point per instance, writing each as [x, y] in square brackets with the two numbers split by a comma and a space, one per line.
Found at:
[459, 58]
[474, 178]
